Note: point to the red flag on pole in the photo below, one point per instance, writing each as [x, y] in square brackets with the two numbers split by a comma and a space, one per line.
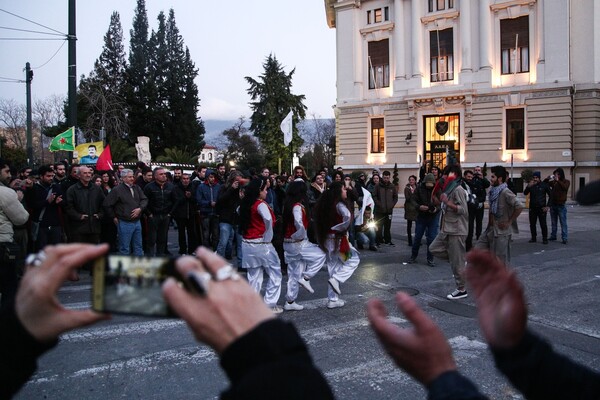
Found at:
[104, 162]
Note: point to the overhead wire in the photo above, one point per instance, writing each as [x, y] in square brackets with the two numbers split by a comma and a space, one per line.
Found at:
[33, 22]
[53, 55]
[30, 31]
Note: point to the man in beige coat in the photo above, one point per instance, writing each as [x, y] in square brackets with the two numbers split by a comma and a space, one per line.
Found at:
[503, 214]
[12, 213]
[451, 241]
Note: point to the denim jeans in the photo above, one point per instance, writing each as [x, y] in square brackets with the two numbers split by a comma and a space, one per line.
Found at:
[425, 224]
[366, 238]
[130, 235]
[226, 234]
[559, 213]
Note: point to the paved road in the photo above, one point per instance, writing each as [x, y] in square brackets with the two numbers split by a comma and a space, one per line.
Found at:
[133, 357]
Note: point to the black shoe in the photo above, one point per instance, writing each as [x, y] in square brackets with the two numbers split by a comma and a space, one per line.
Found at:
[564, 242]
[390, 244]
[552, 239]
[430, 263]
[373, 248]
[360, 246]
[412, 260]
[532, 240]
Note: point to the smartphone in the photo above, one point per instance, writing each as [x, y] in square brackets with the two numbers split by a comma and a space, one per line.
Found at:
[132, 285]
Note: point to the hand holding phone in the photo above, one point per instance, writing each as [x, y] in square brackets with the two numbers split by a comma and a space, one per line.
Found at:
[216, 318]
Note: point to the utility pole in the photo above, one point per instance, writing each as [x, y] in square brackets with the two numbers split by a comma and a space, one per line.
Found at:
[72, 118]
[28, 79]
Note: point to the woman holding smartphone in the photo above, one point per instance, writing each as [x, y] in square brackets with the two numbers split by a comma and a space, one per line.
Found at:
[333, 219]
[258, 254]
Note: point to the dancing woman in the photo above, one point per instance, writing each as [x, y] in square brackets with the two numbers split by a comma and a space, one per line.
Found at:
[304, 258]
[333, 218]
[258, 254]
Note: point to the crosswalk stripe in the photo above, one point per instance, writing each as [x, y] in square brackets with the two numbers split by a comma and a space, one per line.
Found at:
[74, 288]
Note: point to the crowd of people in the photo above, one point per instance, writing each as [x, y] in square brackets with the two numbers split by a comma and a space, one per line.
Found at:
[276, 225]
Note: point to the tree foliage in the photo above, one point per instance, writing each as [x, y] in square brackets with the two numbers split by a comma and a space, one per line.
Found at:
[272, 100]
[122, 151]
[319, 139]
[162, 95]
[180, 155]
[101, 96]
[242, 148]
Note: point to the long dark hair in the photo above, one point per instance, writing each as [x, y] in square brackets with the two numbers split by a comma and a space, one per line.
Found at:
[251, 193]
[325, 214]
[295, 193]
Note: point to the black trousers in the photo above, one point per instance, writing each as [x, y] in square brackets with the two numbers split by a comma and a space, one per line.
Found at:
[535, 214]
[475, 226]
[158, 230]
[186, 230]
[384, 233]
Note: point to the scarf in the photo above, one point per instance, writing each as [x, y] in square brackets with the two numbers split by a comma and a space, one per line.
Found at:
[319, 188]
[494, 194]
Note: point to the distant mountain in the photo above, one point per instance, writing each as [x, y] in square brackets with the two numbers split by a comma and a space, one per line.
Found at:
[214, 128]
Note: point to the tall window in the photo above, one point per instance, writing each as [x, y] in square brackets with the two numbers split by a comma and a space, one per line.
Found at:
[440, 5]
[377, 135]
[514, 39]
[379, 64]
[515, 129]
[442, 55]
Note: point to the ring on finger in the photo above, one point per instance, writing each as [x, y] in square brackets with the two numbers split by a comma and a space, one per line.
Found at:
[200, 281]
[226, 272]
[35, 259]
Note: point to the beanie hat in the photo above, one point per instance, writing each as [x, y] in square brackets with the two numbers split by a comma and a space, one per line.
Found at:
[429, 178]
[538, 174]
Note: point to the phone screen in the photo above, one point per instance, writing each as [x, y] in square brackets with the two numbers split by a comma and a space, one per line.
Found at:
[132, 285]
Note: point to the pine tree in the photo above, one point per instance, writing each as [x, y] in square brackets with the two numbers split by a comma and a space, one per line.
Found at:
[138, 91]
[272, 100]
[101, 97]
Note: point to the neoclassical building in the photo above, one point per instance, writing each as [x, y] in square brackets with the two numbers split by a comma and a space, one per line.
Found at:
[510, 82]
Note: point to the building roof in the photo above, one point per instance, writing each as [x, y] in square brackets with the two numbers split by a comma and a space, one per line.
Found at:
[330, 13]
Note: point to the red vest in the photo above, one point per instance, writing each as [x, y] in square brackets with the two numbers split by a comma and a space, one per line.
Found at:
[290, 229]
[256, 228]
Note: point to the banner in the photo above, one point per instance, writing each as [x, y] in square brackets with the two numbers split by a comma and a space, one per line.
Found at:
[287, 128]
[88, 153]
[64, 141]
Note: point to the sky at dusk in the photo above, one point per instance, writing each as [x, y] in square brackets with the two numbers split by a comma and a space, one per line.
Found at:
[227, 41]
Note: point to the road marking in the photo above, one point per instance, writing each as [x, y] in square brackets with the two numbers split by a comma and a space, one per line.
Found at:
[379, 285]
[147, 362]
[110, 332]
[78, 306]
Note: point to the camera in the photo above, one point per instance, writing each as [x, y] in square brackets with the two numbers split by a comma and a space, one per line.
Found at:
[132, 285]
[551, 178]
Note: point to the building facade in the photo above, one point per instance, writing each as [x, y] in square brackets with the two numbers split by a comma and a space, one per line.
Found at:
[508, 82]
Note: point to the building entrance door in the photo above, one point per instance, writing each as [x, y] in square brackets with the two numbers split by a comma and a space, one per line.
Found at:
[442, 133]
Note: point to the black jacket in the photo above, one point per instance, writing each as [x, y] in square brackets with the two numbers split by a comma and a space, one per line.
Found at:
[478, 186]
[161, 201]
[422, 197]
[119, 202]
[84, 200]
[185, 207]
[37, 201]
[538, 194]
[227, 203]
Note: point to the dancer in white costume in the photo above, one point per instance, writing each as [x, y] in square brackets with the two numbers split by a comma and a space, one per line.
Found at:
[333, 218]
[258, 254]
[304, 258]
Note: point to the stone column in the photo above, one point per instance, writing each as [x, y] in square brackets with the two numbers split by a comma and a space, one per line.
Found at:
[399, 40]
[485, 33]
[416, 40]
[465, 36]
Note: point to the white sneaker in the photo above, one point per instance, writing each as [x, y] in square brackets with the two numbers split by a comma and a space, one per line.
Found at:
[335, 285]
[305, 283]
[276, 310]
[457, 294]
[335, 303]
[293, 306]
